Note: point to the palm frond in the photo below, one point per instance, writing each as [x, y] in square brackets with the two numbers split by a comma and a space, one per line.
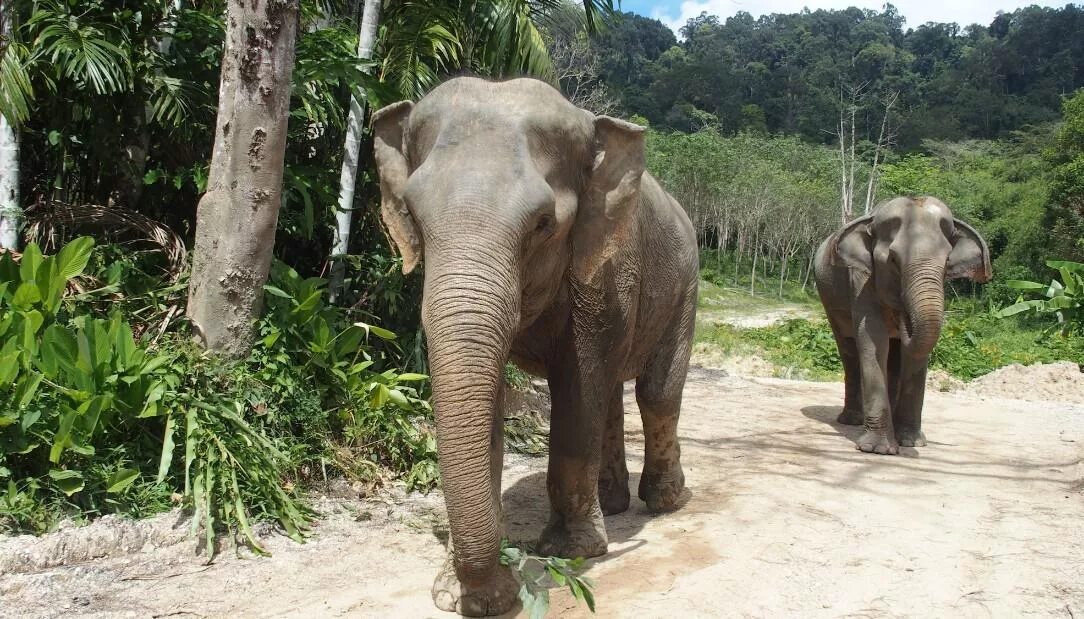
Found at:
[83, 52]
[16, 90]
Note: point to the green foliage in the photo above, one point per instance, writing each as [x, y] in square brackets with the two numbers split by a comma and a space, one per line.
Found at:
[535, 573]
[1065, 217]
[69, 384]
[973, 342]
[1064, 300]
[803, 344]
[783, 73]
[94, 420]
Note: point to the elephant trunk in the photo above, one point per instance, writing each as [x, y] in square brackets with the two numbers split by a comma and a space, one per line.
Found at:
[470, 310]
[924, 305]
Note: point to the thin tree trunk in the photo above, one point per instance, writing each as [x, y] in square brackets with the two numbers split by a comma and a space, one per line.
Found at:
[237, 217]
[782, 274]
[370, 25]
[753, 273]
[808, 269]
[881, 143]
[11, 211]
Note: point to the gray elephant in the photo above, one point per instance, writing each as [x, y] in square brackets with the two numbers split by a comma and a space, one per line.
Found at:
[546, 243]
[881, 280]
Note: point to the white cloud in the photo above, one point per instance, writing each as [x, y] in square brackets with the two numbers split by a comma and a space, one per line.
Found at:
[917, 12]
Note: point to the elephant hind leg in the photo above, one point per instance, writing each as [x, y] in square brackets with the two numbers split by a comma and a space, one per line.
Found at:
[658, 395]
[613, 479]
[852, 376]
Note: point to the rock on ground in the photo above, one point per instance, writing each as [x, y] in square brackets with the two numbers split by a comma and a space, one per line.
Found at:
[783, 518]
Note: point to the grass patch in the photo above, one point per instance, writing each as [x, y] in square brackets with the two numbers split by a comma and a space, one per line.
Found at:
[973, 343]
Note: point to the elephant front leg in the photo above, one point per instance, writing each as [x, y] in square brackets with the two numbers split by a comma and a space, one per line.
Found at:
[613, 480]
[873, 345]
[907, 415]
[575, 528]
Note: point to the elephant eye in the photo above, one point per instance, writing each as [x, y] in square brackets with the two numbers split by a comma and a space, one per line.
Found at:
[545, 222]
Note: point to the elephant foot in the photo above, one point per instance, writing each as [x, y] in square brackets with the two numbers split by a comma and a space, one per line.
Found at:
[494, 597]
[613, 496]
[879, 443]
[851, 417]
[571, 539]
[662, 491]
[911, 437]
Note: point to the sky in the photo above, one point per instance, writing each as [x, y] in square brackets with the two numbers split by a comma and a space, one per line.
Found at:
[674, 13]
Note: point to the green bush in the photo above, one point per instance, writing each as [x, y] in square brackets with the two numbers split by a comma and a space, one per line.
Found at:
[95, 420]
[1063, 300]
[803, 344]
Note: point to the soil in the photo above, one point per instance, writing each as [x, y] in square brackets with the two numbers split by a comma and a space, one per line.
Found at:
[783, 518]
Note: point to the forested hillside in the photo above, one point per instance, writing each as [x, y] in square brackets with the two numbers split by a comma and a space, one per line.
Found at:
[786, 73]
[811, 118]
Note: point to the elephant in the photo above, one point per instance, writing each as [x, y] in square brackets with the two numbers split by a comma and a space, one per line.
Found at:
[881, 281]
[546, 243]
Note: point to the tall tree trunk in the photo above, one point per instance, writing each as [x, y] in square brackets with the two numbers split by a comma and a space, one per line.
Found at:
[883, 141]
[11, 211]
[808, 270]
[370, 25]
[237, 217]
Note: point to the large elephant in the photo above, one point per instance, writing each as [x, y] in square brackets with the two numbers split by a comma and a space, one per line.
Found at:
[881, 280]
[546, 243]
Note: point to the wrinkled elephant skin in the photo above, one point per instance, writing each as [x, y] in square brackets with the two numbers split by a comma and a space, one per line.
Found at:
[545, 242]
[881, 281]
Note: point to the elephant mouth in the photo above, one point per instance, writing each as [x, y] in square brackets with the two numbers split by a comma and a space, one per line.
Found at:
[907, 328]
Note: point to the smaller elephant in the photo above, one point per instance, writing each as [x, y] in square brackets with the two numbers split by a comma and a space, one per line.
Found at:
[881, 281]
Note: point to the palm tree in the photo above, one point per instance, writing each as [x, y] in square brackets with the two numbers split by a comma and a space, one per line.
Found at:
[15, 92]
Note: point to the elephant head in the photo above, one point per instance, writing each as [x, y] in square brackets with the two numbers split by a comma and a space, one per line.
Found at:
[506, 191]
[910, 246]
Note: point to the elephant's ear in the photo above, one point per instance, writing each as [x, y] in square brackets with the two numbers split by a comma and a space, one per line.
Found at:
[611, 195]
[854, 245]
[389, 129]
[970, 257]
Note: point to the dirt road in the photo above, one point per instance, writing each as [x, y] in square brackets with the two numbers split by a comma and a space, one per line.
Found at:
[785, 518]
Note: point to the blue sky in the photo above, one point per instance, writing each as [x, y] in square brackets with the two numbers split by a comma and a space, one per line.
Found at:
[674, 13]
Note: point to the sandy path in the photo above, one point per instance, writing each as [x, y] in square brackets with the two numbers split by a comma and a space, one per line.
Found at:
[785, 518]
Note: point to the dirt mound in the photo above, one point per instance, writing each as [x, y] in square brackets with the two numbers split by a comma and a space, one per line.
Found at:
[1062, 381]
[940, 380]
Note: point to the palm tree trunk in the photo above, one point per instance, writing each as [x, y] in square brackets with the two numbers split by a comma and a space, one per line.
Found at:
[11, 211]
[236, 219]
[370, 25]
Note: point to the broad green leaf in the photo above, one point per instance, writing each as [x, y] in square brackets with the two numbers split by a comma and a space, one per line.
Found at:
[58, 351]
[398, 398]
[1018, 308]
[383, 334]
[1073, 267]
[63, 434]
[168, 445]
[9, 367]
[119, 481]
[411, 377]
[28, 388]
[26, 295]
[1024, 285]
[29, 263]
[278, 292]
[68, 481]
